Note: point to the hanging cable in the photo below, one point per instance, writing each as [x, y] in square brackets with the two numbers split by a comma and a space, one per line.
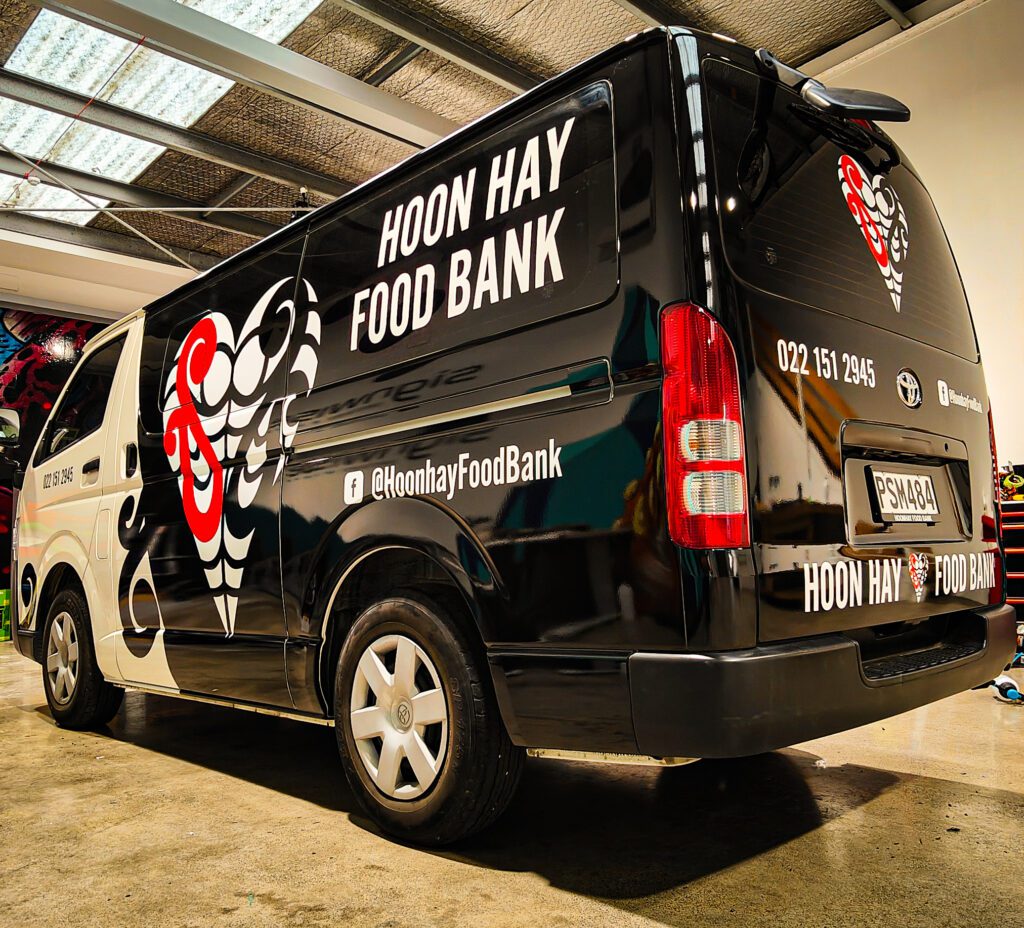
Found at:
[74, 119]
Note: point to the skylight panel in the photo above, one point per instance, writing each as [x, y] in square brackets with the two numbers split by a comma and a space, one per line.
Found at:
[28, 130]
[69, 54]
[15, 191]
[36, 133]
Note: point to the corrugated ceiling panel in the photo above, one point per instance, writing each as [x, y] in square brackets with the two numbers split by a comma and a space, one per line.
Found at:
[545, 37]
[82, 58]
[36, 133]
[343, 41]
[185, 176]
[167, 229]
[256, 120]
[793, 31]
[446, 89]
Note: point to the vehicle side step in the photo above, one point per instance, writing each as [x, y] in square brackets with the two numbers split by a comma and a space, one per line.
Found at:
[885, 668]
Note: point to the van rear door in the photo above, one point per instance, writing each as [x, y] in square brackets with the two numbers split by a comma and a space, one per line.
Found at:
[865, 407]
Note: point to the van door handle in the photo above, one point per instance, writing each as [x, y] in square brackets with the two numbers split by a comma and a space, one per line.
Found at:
[91, 467]
[131, 459]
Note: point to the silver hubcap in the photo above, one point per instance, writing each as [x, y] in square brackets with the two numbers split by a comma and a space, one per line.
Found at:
[399, 717]
[62, 658]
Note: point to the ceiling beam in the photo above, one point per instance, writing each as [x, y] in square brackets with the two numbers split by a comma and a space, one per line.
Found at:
[895, 13]
[232, 190]
[44, 96]
[132, 195]
[444, 42]
[651, 12]
[215, 46]
[88, 237]
[394, 64]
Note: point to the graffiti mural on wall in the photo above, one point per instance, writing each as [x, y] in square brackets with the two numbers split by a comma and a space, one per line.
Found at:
[37, 355]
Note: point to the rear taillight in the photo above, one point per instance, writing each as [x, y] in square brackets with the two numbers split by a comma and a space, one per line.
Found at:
[705, 471]
[990, 532]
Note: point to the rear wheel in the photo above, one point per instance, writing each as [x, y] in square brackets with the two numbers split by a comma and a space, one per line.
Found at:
[421, 739]
[76, 692]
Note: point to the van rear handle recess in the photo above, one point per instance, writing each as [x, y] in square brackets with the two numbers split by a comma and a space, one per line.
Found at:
[843, 102]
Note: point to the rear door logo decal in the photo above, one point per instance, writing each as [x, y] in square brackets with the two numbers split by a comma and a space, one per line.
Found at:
[918, 564]
[876, 207]
[216, 411]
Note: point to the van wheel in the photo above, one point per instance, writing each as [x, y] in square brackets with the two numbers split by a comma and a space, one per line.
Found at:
[78, 695]
[421, 739]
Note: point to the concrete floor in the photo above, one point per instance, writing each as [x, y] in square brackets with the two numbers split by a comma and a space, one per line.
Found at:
[189, 815]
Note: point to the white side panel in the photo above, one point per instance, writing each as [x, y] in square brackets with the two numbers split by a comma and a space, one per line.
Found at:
[122, 495]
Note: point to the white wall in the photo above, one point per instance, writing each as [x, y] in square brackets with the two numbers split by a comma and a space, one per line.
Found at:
[36, 273]
[962, 75]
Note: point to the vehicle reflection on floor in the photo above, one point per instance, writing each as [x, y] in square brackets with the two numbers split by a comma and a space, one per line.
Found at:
[182, 812]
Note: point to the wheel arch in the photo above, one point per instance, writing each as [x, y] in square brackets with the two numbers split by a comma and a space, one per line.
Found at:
[60, 576]
[425, 546]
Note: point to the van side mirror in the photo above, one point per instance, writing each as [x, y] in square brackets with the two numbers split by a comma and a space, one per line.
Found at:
[10, 428]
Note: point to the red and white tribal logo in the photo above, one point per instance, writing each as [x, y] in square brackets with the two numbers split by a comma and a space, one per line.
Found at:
[876, 207]
[215, 406]
[918, 564]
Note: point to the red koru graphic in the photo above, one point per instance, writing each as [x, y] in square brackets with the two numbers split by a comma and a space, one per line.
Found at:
[877, 210]
[872, 234]
[194, 362]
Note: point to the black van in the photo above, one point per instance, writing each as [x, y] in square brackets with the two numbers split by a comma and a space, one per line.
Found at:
[642, 419]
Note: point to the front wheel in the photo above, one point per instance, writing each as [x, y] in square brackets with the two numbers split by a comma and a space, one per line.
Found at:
[421, 739]
[76, 692]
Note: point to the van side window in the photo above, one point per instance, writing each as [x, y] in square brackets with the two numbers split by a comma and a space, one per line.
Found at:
[83, 406]
[508, 231]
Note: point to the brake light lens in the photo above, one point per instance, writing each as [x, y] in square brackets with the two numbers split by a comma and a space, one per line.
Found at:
[990, 527]
[705, 469]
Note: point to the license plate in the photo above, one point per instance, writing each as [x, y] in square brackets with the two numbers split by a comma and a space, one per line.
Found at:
[905, 497]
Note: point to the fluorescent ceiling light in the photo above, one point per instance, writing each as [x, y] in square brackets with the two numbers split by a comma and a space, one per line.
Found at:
[15, 191]
[78, 57]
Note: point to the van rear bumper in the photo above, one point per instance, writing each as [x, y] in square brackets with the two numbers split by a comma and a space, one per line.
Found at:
[735, 703]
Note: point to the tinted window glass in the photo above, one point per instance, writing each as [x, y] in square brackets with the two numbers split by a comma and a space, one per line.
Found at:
[810, 211]
[82, 407]
[508, 231]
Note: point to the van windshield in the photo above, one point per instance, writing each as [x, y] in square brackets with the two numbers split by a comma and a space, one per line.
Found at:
[812, 212]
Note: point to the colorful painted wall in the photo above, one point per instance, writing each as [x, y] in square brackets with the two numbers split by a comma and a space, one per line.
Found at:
[37, 355]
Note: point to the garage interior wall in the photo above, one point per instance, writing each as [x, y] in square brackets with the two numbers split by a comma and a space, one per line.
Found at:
[962, 76]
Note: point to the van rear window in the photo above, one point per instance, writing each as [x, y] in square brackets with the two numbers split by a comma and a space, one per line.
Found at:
[809, 213]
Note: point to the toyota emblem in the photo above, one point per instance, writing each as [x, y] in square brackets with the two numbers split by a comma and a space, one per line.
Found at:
[909, 388]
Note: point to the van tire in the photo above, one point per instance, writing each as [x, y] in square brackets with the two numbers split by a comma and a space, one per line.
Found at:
[91, 702]
[480, 768]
